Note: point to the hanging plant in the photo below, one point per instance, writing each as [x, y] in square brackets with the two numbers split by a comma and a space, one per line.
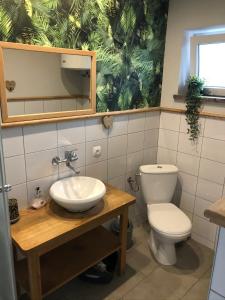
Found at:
[193, 105]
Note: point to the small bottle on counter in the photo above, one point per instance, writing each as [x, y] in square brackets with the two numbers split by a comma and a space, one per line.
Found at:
[13, 210]
[38, 201]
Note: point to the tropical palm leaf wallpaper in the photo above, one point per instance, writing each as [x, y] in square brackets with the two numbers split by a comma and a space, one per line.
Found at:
[128, 36]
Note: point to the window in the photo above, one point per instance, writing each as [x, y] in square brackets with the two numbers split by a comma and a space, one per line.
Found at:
[208, 62]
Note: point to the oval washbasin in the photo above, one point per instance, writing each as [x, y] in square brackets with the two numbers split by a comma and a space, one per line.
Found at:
[78, 193]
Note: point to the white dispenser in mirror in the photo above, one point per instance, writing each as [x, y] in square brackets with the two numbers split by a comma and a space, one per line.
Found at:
[78, 62]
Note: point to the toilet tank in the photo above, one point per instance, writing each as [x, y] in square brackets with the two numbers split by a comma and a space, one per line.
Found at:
[158, 182]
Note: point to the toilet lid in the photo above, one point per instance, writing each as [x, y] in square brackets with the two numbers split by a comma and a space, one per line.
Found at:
[168, 219]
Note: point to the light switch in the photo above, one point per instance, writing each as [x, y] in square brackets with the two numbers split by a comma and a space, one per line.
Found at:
[97, 151]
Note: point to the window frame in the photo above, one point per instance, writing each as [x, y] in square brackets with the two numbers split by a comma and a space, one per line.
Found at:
[197, 40]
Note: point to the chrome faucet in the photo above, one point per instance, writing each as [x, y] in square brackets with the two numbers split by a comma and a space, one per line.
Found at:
[70, 156]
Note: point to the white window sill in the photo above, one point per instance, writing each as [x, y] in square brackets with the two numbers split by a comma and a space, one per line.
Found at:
[204, 98]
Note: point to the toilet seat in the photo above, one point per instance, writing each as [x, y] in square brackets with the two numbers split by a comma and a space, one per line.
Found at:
[168, 219]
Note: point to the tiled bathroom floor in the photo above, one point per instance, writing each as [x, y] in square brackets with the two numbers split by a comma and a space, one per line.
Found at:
[146, 279]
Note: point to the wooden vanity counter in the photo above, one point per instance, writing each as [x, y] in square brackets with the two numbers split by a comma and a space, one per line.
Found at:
[59, 245]
[216, 212]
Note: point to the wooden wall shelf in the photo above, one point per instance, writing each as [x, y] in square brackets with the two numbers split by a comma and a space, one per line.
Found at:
[39, 98]
[71, 259]
[216, 212]
[69, 118]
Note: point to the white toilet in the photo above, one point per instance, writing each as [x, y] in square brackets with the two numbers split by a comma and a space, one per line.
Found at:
[169, 224]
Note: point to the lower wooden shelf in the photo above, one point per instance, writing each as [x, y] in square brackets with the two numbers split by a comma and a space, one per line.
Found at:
[71, 259]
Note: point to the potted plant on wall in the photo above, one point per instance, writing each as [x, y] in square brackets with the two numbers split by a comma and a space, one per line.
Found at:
[193, 104]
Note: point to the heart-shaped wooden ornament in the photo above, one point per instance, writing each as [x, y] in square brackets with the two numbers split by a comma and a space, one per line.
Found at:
[107, 121]
[10, 85]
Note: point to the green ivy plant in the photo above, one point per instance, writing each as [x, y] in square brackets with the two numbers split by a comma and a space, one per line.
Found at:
[193, 105]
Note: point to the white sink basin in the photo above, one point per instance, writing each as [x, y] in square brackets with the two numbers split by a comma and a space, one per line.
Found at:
[78, 193]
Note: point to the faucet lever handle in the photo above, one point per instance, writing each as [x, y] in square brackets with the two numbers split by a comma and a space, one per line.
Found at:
[71, 155]
[56, 161]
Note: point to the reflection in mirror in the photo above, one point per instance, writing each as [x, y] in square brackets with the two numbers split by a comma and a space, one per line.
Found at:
[44, 82]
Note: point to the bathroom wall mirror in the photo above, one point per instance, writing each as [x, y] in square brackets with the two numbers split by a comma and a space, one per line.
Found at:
[43, 83]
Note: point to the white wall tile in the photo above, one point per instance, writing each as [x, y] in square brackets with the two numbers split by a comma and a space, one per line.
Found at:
[166, 156]
[40, 137]
[188, 182]
[117, 146]
[213, 149]
[80, 151]
[209, 190]
[185, 145]
[98, 170]
[123, 158]
[170, 121]
[212, 171]
[33, 107]
[67, 105]
[150, 156]
[90, 158]
[12, 139]
[151, 138]
[119, 125]
[200, 206]
[204, 241]
[69, 172]
[136, 122]
[118, 182]
[134, 161]
[203, 228]
[39, 164]
[70, 133]
[43, 142]
[188, 163]
[15, 170]
[141, 208]
[184, 125]
[117, 166]
[152, 120]
[215, 129]
[135, 142]
[95, 130]
[187, 202]
[168, 139]
[188, 214]
[52, 105]
[44, 184]
[16, 108]
[20, 193]
[127, 185]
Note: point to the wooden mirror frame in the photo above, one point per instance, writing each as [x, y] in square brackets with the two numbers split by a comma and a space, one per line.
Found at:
[45, 116]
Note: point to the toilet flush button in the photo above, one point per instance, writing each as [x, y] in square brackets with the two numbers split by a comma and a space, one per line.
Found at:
[97, 151]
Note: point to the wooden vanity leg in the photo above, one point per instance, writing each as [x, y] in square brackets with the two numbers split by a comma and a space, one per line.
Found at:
[123, 240]
[18, 288]
[34, 276]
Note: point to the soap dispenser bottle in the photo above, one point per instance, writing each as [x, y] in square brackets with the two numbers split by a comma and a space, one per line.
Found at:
[38, 201]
